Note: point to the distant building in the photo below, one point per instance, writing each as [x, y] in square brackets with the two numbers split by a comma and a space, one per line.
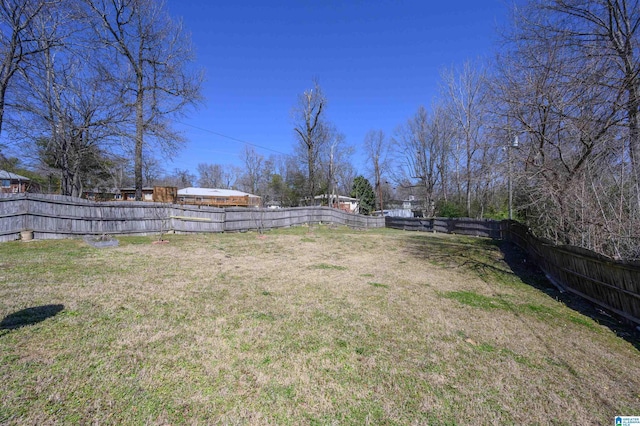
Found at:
[274, 204]
[218, 197]
[342, 202]
[12, 183]
[394, 213]
[129, 194]
[170, 194]
[158, 194]
[410, 207]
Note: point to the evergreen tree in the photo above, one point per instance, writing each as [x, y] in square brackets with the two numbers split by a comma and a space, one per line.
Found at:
[363, 191]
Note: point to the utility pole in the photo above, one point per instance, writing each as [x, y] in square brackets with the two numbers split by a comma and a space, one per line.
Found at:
[514, 144]
[379, 184]
[332, 191]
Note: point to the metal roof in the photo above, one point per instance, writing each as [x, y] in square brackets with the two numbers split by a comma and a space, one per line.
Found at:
[132, 188]
[8, 175]
[213, 192]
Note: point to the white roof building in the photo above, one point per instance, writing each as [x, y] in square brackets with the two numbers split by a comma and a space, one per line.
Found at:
[348, 204]
[218, 197]
[212, 192]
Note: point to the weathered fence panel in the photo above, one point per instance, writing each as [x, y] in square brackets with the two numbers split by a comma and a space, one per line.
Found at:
[188, 219]
[409, 224]
[12, 217]
[477, 227]
[612, 284]
[461, 226]
[242, 219]
[56, 216]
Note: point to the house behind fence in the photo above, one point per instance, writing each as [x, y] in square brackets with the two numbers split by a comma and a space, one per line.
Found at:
[157, 194]
[218, 197]
[12, 183]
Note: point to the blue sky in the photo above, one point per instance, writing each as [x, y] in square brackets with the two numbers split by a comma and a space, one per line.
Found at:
[376, 61]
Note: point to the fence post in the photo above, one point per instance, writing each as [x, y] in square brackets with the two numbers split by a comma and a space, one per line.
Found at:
[26, 218]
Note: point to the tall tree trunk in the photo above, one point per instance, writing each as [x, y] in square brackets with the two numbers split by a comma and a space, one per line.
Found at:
[634, 139]
[468, 189]
[139, 138]
[3, 91]
[312, 178]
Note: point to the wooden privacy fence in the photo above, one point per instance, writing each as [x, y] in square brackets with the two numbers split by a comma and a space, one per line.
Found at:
[614, 285]
[463, 226]
[56, 216]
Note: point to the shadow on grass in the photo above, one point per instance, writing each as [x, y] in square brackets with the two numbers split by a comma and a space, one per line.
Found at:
[29, 316]
[493, 260]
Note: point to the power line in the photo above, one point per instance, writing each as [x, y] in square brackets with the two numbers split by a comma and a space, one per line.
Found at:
[233, 139]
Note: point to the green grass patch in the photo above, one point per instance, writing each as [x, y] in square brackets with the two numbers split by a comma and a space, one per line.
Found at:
[583, 321]
[328, 266]
[520, 359]
[476, 300]
[378, 285]
[140, 240]
[540, 310]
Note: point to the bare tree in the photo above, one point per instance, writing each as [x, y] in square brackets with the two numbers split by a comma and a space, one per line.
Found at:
[231, 176]
[465, 93]
[336, 167]
[218, 176]
[17, 40]
[311, 131]
[181, 178]
[564, 85]
[65, 109]
[210, 175]
[254, 169]
[120, 177]
[151, 57]
[184, 178]
[152, 170]
[608, 30]
[419, 149]
[377, 148]
[443, 134]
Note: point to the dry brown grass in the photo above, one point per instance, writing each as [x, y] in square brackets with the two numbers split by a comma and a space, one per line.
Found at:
[321, 326]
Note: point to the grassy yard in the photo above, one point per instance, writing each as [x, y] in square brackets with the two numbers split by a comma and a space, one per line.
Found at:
[301, 326]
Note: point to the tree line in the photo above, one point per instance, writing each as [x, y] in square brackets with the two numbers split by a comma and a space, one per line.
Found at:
[547, 132]
[551, 123]
[90, 87]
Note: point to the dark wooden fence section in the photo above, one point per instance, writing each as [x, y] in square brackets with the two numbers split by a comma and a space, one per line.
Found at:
[614, 285]
[462, 226]
[56, 216]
